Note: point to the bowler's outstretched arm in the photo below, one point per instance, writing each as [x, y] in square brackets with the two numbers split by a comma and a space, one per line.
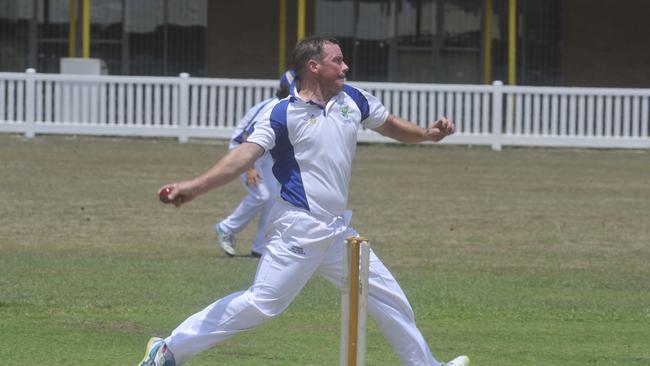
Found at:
[225, 170]
[408, 132]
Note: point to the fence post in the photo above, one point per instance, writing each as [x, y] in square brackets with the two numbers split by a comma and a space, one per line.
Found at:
[497, 114]
[30, 102]
[183, 107]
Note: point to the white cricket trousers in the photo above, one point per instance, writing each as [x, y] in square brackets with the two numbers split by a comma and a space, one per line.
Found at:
[260, 198]
[300, 245]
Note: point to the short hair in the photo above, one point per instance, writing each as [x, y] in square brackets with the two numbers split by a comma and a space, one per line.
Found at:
[282, 92]
[310, 48]
[285, 84]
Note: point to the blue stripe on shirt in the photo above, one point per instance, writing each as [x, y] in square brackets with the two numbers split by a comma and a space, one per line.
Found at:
[285, 166]
[359, 99]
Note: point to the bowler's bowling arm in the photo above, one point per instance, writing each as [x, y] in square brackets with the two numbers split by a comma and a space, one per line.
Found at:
[225, 170]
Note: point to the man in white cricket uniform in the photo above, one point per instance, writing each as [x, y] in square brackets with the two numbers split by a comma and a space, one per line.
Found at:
[258, 181]
[311, 136]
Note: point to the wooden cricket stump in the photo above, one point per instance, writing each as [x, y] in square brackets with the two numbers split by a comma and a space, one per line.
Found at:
[354, 301]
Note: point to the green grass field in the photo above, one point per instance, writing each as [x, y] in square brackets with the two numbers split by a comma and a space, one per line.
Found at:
[519, 257]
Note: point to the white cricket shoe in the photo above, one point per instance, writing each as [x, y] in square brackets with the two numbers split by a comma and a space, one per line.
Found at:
[157, 354]
[226, 241]
[458, 361]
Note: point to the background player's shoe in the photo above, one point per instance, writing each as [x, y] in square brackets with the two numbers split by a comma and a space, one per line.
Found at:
[157, 354]
[226, 241]
[458, 361]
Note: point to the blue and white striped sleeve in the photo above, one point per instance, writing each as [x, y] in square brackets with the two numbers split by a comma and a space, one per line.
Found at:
[377, 113]
[373, 113]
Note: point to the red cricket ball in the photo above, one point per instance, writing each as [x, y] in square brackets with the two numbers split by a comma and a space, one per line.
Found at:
[164, 195]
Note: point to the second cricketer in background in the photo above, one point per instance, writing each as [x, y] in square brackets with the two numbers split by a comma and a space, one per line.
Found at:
[312, 138]
[258, 181]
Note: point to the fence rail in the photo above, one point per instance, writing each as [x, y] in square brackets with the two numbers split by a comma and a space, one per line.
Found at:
[185, 107]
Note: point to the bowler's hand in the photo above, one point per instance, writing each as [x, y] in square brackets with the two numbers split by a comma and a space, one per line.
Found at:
[181, 192]
[252, 177]
[442, 128]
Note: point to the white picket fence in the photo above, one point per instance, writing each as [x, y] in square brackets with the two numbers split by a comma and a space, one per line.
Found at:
[187, 107]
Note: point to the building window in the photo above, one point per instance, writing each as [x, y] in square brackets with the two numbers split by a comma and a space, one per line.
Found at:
[15, 21]
[441, 41]
[166, 37]
[133, 37]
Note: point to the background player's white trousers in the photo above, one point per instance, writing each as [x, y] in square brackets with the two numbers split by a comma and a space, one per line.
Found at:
[300, 245]
[260, 198]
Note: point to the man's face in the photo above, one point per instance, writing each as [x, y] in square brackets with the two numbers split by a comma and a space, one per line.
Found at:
[332, 68]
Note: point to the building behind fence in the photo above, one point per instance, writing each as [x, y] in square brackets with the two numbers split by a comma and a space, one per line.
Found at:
[187, 107]
[556, 42]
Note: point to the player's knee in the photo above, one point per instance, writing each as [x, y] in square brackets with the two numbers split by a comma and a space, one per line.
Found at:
[261, 315]
[268, 309]
[259, 198]
[264, 196]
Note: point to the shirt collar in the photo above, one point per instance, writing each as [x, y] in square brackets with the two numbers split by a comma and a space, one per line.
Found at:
[294, 93]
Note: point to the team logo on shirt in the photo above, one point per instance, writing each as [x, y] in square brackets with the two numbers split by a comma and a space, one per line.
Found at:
[312, 120]
[345, 111]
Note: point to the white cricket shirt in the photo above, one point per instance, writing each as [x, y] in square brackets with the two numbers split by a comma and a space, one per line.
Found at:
[313, 147]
